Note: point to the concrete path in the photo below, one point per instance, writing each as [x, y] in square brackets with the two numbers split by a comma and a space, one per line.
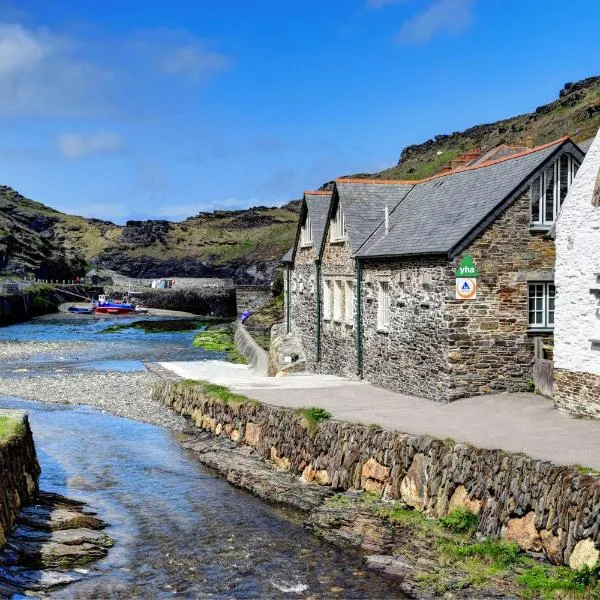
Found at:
[517, 422]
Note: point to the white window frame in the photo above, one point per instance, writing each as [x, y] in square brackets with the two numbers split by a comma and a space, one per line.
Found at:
[338, 300]
[327, 294]
[572, 168]
[383, 305]
[338, 226]
[306, 235]
[349, 302]
[546, 292]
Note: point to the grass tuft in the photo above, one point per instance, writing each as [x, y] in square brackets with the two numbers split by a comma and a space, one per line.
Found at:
[220, 393]
[9, 428]
[312, 417]
[461, 520]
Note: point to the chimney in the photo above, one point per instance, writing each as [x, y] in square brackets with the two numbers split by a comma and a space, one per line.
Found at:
[387, 219]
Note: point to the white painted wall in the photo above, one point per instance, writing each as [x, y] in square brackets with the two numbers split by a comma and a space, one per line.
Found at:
[577, 318]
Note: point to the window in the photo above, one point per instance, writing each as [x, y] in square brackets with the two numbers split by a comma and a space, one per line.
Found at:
[549, 190]
[338, 306]
[542, 297]
[327, 300]
[338, 226]
[306, 238]
[383, 306]
[349, 301]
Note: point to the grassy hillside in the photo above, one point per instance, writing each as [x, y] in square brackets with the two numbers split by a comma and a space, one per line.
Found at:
[575, 113]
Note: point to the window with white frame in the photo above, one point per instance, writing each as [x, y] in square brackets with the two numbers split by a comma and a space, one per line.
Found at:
[338, 226]
[306, 237]
[327, 300]
[383, 305]
[549, 190]
[542, 297]
[349, 302]
[338, 304]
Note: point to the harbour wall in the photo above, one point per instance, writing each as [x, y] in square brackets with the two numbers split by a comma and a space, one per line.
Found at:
[210, 301]
[19, 472]
[541, 506]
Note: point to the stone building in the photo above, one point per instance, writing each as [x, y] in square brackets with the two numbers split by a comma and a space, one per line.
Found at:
[380, 294]
[577, 344]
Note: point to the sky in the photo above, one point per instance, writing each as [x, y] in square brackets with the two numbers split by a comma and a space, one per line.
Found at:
[161, 109]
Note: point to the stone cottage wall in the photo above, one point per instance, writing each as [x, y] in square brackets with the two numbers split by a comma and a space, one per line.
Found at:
[577, 352]
[19, 471]
[541, 506]
[303, 308]
[490, 349]
[338, 341]
[412, 356]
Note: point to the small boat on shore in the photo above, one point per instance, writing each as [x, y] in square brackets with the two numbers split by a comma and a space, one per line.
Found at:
[81, 310]
[103, 306]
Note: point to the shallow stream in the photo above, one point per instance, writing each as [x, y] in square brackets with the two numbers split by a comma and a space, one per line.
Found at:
[180, 531]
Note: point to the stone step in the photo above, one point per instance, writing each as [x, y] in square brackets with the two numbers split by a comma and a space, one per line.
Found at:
[53, 518]
[13, 580]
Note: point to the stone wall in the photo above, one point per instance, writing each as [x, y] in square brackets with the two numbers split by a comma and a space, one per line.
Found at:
[19, 471]
[541, 506]
[412, 355]
[303, 309]
[490, 347]
[16, 308]
[578, 293]
[209, 301]
[577, 393]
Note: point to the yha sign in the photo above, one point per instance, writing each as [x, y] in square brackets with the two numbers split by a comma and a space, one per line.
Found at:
[466, 279]
[467, 268]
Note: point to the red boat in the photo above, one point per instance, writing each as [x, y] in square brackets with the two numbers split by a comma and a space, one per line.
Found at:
[111, 307]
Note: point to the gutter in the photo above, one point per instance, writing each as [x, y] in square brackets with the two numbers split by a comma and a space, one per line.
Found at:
[358, 329]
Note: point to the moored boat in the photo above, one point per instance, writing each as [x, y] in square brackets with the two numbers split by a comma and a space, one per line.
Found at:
[81, 310]
[111, 307]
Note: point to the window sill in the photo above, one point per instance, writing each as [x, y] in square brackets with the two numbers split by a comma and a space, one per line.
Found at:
[533, 330]
[540, 228]
[385, 330]
[306, 245]
[337, 241]
[350, 325]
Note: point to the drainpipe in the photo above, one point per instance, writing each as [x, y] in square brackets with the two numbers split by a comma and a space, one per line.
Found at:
[289, 298]
[318, 301]
[359, 349]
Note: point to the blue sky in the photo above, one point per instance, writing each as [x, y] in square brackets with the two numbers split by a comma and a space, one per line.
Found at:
[157, 109]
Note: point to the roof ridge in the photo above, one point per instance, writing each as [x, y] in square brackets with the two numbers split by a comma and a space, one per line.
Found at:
[317, 193]
[455, 171]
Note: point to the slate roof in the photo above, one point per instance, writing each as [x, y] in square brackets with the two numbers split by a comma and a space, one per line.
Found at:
[363, 203]
[287, 257]
[317, 204]
[585, 146]
[438, 213]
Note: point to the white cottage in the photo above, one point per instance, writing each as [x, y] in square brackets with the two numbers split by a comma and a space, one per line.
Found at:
[577, 321]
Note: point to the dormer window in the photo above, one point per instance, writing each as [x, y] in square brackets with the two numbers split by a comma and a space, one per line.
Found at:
[338, 226]
[549, 190]
[306, 237]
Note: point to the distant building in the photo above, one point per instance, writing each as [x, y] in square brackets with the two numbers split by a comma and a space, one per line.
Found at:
[577, 333]
[371, 286]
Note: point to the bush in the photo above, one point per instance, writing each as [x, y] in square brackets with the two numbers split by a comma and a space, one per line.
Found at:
[460, 520]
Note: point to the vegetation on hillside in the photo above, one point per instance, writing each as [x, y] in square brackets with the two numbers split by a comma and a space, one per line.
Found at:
[10, 428]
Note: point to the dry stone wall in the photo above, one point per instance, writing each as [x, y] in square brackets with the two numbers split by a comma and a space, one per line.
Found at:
[303, 308]
[541, 506]
[19, 472]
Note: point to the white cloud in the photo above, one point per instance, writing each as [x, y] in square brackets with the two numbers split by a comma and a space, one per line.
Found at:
[41, 73]
[194, 62]
[441, 16]
[82, 145]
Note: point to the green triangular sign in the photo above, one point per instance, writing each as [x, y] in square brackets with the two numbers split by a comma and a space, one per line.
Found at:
[467, 268]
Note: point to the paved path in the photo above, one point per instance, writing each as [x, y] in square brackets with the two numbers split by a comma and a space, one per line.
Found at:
[518, 422]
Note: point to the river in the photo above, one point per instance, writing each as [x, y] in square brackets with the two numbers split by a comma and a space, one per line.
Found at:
[180, 531]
